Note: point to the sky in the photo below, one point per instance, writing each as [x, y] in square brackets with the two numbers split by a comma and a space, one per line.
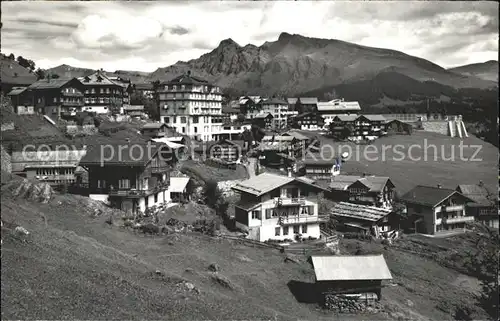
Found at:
[146, 35]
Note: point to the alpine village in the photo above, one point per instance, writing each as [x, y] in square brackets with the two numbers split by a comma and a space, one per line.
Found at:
[251, 188]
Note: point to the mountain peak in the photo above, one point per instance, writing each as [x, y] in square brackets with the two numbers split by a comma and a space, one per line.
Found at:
[228, 42]
[286, 36]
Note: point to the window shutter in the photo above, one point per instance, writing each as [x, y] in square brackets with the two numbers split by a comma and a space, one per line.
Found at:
[268, 213]
[311, 210]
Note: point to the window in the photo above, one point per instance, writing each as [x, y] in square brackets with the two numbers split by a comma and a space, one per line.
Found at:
[296, 229]
[183, 120]
[195, 120]
[183, 130]
[304, 210]
[183, 87]
[101, 183]
[268, 213]
[285, 230]
[156, 198]
[124, 183]
[255, 215]
[304, 229]
[195, 130]
[277, 231]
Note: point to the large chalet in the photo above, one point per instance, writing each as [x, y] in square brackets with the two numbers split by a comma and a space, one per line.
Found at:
[102, 95]
[274, 207]
[128, 177]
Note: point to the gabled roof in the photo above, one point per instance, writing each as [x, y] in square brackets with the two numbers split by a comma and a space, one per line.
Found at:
[478, 193]
[167, 142]
[52, 159]
[126, 154]
[259, 116]
[292, 101]
[342, 182]
[319, 159]
[186, 79]
[359, 212]
[349, 118]
[344, 268]
[374, 183]
[429, 196]
[266, 182]
[262, 184]
[93, 79]
[52, 84]
[295, 134]
[374, 117]
[16, 91]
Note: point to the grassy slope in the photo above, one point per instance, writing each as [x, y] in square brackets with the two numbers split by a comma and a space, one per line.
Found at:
[407, 173]
[76, 266]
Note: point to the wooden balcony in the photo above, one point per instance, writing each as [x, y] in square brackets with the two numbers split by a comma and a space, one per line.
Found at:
[301, 219]
[290, 201]
[460, 219]
[137, 193]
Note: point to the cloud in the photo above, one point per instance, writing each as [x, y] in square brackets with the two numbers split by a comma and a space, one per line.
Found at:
[145, 35]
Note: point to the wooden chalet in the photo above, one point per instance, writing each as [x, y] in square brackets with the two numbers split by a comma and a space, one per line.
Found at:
[366, 190]
[264, 121]
[154, 130]
[307, 121]
[21, 101]
[397, 127]
[130, 177]
[53, 97]
[434, 209]
[225, 150]
[103, 95]
[484, 208]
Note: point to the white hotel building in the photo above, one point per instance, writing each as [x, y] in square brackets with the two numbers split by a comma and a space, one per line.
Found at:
[192, 106]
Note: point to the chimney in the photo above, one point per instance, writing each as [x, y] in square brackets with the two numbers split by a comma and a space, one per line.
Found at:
[364, 174]
[438, 185]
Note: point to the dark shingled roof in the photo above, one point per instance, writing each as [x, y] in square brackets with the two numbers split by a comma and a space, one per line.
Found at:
[52, 84]
[477, 193]
[274, 101]
[428, 195]
[126, 154]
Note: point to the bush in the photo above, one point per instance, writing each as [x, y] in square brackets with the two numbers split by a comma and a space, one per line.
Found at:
[212, 196]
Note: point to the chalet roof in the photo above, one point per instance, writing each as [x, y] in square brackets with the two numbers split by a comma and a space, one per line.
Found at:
[478, 193]
[338, 105]
[374, 117]
[343, 268]
[266, 182]
[125, 154]
[263, 183]
[359, 212]
[16, 91]
[153, 125]
[273, 101]
[175, 139]
[178, 184]
[374, 183]
[93, 79]
[347, 117]
[296, 134]
[52, 84]
[49, 159]
[292, 101]
[186, 79]
[253, 99]
[428, 195]
[341, 182]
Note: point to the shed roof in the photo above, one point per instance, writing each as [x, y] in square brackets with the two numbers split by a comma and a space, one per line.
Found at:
[347, 117]
[344, 268]
[178, 184]
[274, 101]
[374, 117]
[428, 195]
[359, 212]
[169, 143]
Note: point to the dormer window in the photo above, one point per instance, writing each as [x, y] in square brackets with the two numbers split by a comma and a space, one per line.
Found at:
[87, 79]
[99, 79]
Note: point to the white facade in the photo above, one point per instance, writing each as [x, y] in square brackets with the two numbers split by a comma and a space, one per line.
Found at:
[232, 131]
[161, 197]
[191, 109]
[97, 109]
[279, 111]
[295, 216]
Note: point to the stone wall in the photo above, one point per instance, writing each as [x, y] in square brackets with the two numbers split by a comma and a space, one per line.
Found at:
[440, 127]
